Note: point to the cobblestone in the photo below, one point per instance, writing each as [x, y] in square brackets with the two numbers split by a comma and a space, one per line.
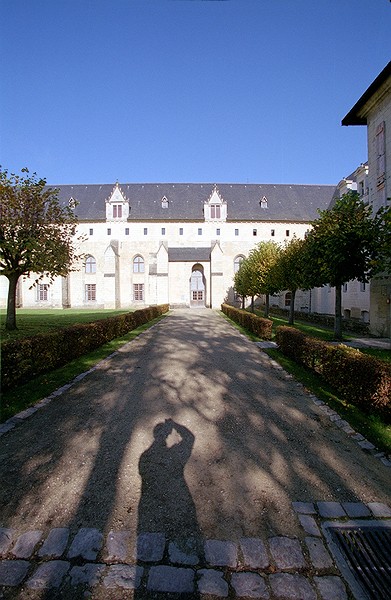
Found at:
[288, 586]
[319, 556]
[87, 543]
[254, 553]
[88, 574]
[49, 575]
[277, 568]
[150, 547]
[287, 553]
[6, 538]
[55, 544]
[26, 543]
[171, 579]
[12, 572]
[331, 510]
[331, 588]
[221, 553]
[123, 576]
[212, 582]
[309, 524]
[117, 545]
[249, 585]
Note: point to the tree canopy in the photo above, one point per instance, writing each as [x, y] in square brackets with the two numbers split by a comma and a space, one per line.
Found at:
[347, 242]
[36, 233]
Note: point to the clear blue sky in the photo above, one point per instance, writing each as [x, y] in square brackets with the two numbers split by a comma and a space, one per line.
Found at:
[92, 91]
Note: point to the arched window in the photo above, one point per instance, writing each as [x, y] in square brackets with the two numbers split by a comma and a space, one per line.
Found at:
[90, 264]
[237, 261]
[138, 264]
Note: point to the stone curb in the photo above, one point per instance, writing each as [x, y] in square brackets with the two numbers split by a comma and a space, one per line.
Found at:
[278, 567]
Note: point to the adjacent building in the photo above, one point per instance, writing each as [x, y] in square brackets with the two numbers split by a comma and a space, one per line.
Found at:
[373, 109]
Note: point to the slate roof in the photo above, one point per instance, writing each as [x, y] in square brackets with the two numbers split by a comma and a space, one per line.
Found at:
[186, 200]
[188, 254]
[356, 115]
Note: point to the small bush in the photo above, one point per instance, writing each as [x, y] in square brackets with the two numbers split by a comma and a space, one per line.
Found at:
[257, 325]
[23, 359]
[360, 379]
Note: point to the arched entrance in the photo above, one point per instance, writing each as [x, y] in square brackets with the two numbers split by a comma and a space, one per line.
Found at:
[197, 286]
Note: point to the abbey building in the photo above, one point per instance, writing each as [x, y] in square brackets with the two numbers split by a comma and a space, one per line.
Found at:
[179, 243]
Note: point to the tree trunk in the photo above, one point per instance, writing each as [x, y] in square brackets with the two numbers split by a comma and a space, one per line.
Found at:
[338, 313]
[291, 320]
[10, 323]
[243, 302]
[252, 304]
[267, 305]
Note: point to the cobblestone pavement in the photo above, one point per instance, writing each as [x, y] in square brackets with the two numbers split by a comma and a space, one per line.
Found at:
[91, 561]
[88, 564]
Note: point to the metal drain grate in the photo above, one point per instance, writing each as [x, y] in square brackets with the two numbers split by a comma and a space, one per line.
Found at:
[367, 551]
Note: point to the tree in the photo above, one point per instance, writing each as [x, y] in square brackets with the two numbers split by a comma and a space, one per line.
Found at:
[263, 259]
[290, 271]
[344, 244]
[245, 282]
[36, 233]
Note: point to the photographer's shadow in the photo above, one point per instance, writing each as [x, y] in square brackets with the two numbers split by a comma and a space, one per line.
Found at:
[166, 505]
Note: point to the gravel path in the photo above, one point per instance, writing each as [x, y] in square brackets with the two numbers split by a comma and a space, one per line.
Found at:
[187, 430]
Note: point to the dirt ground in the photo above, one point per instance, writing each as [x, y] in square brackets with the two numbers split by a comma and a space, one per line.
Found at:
[186, 430]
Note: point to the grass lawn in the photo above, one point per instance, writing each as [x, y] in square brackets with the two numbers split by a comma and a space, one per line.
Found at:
[370, 426]
[17, 399]
[31, 322]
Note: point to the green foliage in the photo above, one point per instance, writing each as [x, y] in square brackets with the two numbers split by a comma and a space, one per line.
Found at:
[36, 233]
[24, 359]
[256, 275]
[344, 243]
[358, 378]
[257, 325]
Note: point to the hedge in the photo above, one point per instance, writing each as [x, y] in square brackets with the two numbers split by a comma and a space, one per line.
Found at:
[360, 379]
[24, 359]
[258, 325]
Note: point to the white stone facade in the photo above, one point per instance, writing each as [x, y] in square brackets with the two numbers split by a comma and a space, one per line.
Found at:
[176, 244]
[373, 109]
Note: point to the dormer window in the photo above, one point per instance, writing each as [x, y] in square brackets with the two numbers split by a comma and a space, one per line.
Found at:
[263, 202]
[72, 203]
[117, 211]
[117, 205]
[164, 202]
[215, 209]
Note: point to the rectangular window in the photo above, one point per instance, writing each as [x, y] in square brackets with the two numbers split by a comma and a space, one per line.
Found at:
[145, 231]
[254, 232]
[90, 291]
[91, 232]
[163, 231]
[215, 211]
[199, 231]
[362, 286]
[236, 231]
[345, 287]
[272, 233]
[108, 231]
[43, 292]
[287, 233]
[117, 211]
[138, 291]
[126, 230]
[181, 231]
[217, 231]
